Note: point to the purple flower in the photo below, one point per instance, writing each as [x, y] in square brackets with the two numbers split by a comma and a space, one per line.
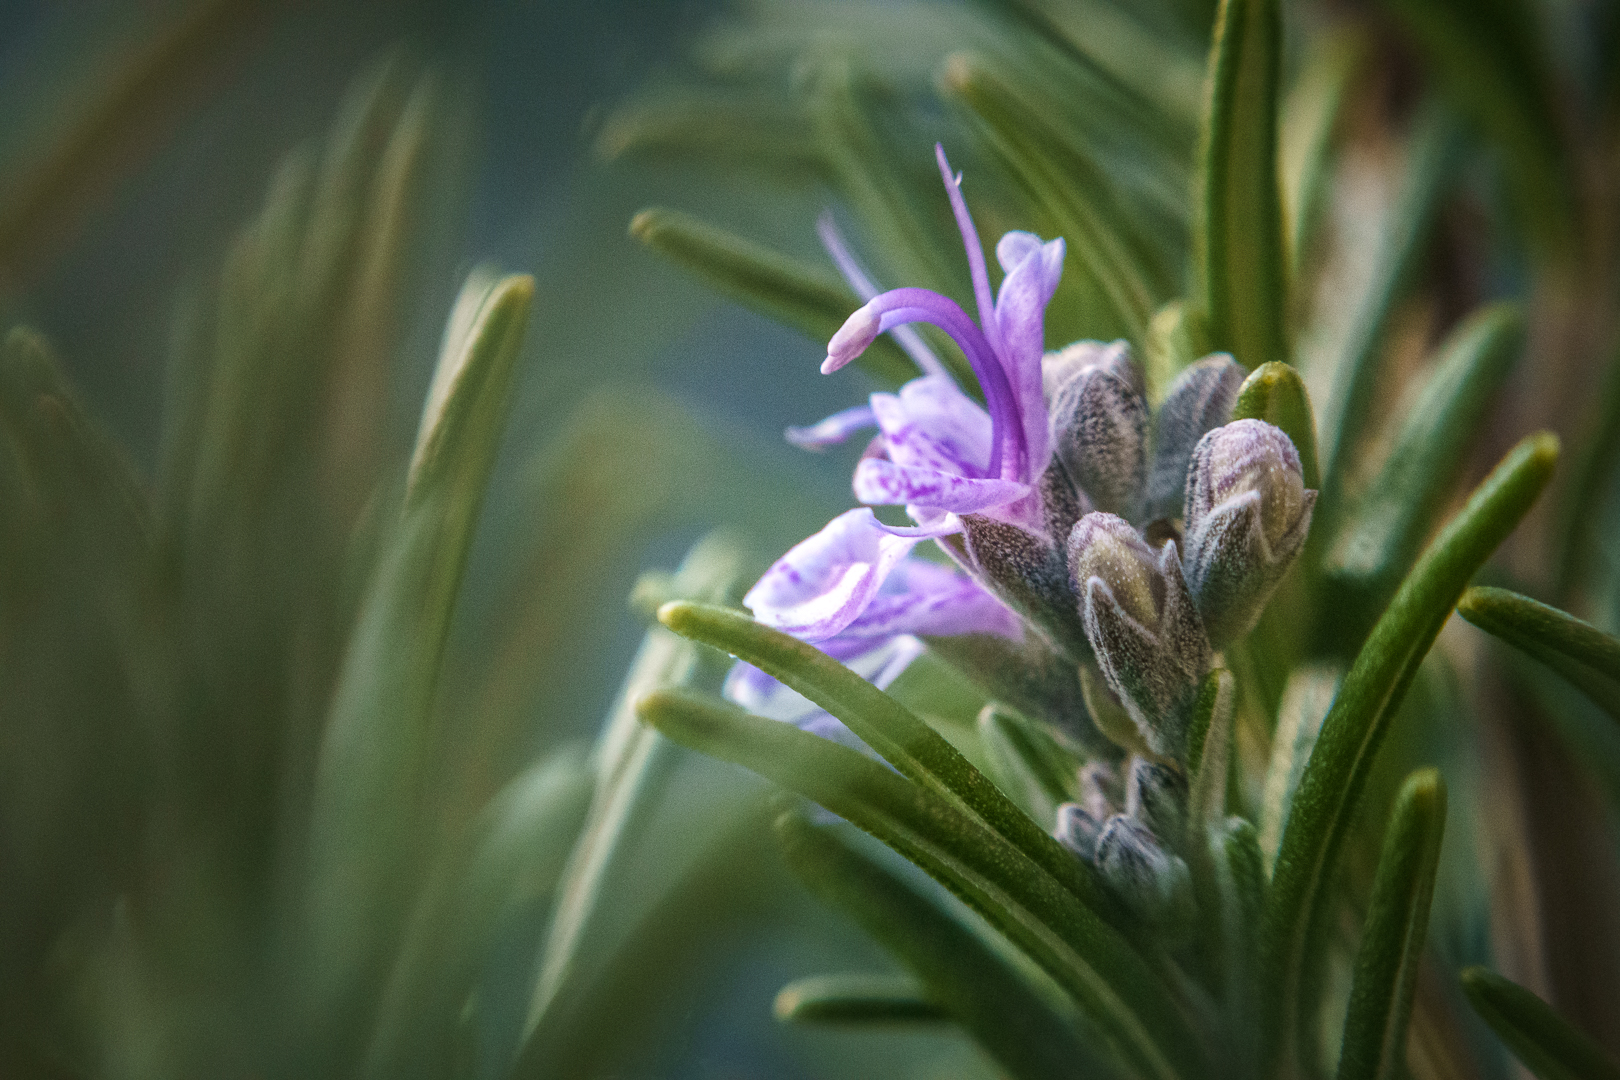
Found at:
[942, 454]
[855, 590]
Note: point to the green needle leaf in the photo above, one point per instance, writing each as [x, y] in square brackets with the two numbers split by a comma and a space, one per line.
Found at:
[364, 827]
[1544, 1041]
[768, 282]
[1027, 762]
[863, 998]
[1238, 238]
[1275, 393]
[1494, 61]
[1430, 153]
[1310, 116]
[1539, 629]
[1398, 511]
[1069, 183]
[1091, 962]
[958, 974]
[1324, 805]
[1240, 885]
[885, 725]
[1576, 649]
[1391, 949]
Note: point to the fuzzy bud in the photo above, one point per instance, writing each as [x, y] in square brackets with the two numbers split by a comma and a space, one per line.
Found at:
[1156, 795]
[1151, 881]
[1078, 830]
[1247, 513]
[1201, 398]
[1142, 626]
[1099, 433]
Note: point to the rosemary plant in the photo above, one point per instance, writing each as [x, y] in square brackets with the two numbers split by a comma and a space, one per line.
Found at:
[1121, 708]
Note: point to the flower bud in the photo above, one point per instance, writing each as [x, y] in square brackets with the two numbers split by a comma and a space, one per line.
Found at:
[1156, 795]
[1077, 830]
[1100, 793]
[1114, 357]
[1099, 433]
[1027, 571]
[1247, 513]
[1148, 879]
[1142, 626]
[1201, 398]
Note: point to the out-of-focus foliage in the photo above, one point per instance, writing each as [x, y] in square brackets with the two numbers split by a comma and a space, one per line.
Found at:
[300, 771]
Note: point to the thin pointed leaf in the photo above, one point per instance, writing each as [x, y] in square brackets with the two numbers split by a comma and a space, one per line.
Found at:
[1324, 805]
[1276, 394]
[632, 763]
[1398, 511]
[1539, 629]
[766, 281]
[885, 725]
[1070, 184]
[1091, 962]
[1310, 117]
[1240, 885]
[1494, 62]
[1577, 650]
[1548, 1045]
[957, 975]
[1238, 237]
[1391, 949]
[863, 999]
[364, 830]
[1028, 763]
[1431, 152]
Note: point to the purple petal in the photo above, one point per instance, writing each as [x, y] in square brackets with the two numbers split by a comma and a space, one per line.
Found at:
[1020, 318]
[926, 598]
[825, 582]
[880, 663]
[931, 424]
[909, 340]
[1014, 247]
[884, 483]
[833, 430]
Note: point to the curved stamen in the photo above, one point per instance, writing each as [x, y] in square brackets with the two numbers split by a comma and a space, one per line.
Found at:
[899, 306]
[975, 250]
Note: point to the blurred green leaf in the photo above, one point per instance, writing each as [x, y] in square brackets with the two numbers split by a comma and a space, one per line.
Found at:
[1401, 504]
[364, 826]
[857, 999]
[767, 282]
[1392, 940]
[632, 765]
[1311, 113]
[963, 976]
[1106, 978]
[1493, 60]
[1240, 885]
[1325, 802]
[1547, 1044]
[1067, 182]
[1274, 392]
[1577, 650]
[512, 858]
[899, 737]
[1027, 763]
[1238, 235]
[1431, 152]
